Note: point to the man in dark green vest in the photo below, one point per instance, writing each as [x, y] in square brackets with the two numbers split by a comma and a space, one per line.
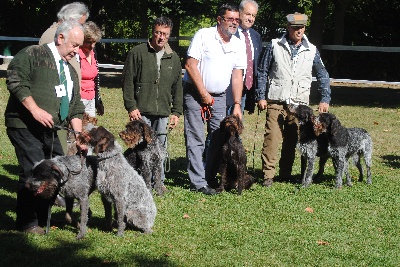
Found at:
[39, 80]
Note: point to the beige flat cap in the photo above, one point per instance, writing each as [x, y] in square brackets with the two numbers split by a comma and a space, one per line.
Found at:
[297, 19]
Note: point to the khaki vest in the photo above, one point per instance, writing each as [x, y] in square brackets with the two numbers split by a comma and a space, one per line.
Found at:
[287, 79]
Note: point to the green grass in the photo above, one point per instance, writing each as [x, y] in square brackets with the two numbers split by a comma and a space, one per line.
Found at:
[357, 226]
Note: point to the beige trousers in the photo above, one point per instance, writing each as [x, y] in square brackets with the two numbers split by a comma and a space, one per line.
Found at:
[280, 126]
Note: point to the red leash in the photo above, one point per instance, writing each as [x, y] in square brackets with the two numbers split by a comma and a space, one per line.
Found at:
[206, 110]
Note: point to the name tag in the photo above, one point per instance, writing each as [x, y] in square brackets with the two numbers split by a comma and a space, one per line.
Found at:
[60, 90]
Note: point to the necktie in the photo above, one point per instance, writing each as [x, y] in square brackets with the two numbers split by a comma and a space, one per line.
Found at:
[64, 107]
[249, 71]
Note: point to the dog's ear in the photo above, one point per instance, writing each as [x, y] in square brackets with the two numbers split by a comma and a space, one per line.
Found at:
[147, 132]
[335, 125]
[101, 139]
[55, 170]
[102, 145]
[240, 125]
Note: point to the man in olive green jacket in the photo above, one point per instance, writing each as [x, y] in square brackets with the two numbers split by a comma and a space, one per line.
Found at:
[152, 82]
[34, 108]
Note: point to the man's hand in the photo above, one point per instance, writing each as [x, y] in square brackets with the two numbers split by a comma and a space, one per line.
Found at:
[41, 115]
[323, 107]
[135, 115]
[237, 111]
[82, 148]
[76, 125]
[262, 104]
[173, 122]
[207, 99]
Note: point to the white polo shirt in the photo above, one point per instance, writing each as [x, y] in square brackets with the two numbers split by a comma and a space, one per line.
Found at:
[216, 59]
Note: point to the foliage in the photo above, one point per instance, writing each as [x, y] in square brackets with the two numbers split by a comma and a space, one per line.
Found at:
[278, 226]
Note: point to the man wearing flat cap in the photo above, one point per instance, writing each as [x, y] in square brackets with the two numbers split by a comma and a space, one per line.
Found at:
[284, 77]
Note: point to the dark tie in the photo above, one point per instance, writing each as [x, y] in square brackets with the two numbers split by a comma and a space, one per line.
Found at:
[64, 107]
[249, 71]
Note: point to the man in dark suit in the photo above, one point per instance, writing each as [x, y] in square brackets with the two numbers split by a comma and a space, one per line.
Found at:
[252, 40]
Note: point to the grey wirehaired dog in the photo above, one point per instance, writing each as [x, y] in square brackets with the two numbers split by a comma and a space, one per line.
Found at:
[145, 153]
[119, 183]
[72, 176]
[345, 143]
[310, 145]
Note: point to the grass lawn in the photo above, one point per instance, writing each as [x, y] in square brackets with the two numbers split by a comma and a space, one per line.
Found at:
[278, 226]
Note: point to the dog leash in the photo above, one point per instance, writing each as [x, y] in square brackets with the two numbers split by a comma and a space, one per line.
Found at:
[54, 129]
[167, 160]
[206, 110]
[59, 127]
[255, 138]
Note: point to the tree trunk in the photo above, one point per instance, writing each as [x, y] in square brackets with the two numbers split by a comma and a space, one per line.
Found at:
[340, 9]
[175, 33]
[317, 23]
[144, 20]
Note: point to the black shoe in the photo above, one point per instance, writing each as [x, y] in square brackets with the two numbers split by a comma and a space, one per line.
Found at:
[207, 190]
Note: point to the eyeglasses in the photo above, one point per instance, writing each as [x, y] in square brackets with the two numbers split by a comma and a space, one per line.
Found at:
[158, 33]
[237, 20]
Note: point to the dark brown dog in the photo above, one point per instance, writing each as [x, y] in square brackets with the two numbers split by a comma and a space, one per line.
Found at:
[232, 156]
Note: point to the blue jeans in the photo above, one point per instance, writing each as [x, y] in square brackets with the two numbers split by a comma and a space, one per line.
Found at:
[196, 142]
[159, 126]
[32, 146]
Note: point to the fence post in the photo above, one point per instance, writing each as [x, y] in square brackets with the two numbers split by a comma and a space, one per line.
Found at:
[7, 52]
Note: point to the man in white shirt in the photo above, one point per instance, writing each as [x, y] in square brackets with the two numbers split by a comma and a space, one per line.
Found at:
[215, 59]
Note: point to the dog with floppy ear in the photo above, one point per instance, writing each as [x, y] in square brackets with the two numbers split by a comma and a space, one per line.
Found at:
[310, 145]
[145, 153]
[72, 176]
[119, 183]
[343, 144]
[232, 156]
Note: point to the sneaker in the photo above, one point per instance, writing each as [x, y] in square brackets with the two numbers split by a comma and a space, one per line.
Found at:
[268, 182]
[35, 230]
[207, 190]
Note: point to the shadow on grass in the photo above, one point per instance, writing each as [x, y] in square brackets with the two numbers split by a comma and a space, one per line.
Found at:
[8, 202]
[177, 176]
[7, 205]
[392, 161]
[16, 249]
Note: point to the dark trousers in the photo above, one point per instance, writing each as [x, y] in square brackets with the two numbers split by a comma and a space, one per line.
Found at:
[32, 146]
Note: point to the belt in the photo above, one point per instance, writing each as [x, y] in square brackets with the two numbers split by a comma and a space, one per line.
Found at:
[276, 102]
[191, 87]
